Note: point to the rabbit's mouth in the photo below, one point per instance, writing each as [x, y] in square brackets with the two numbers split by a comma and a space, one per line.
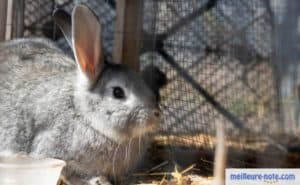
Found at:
[143, 123]
[126, 124]
[150, 126]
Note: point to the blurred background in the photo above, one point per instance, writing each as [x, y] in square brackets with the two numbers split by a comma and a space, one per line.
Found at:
[231, 62]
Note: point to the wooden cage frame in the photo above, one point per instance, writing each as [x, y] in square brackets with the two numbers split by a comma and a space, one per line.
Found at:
[126, 49]
[11, 19]
[3, 17]
[128, 27]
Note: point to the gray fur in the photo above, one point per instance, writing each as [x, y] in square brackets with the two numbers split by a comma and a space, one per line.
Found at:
[47, 109]
[43, 113]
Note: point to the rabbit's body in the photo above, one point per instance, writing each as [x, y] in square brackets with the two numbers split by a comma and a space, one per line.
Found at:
[94, 115]
[40, 116]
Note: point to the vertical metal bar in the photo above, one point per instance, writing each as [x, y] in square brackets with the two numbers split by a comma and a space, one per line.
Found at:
[287, 63]
[276, 68]
[3, 17]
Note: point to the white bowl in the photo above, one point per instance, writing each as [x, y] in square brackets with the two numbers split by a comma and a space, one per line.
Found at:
[23, 170]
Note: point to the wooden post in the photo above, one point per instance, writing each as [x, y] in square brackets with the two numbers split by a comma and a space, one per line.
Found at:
[3, 10]
[220, 153]
[9, 20]
[129, 25]
[119, 30]
[18, 18]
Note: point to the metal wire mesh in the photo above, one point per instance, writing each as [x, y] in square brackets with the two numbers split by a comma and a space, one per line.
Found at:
[38, 20]
[218, 56]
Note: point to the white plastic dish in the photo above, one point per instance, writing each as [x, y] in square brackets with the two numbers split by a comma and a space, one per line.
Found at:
[24, 170]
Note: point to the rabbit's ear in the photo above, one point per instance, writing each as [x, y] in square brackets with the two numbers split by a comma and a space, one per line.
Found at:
[154, 78]
[63, 20]
[86, 39]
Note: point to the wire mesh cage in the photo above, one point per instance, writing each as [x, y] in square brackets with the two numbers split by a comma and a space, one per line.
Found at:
[223, 65]
[38, 20]
[218, 56]
[224, 60]
[223, 47]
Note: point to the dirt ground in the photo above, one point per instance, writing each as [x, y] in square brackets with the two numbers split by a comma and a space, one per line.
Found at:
[182, 161]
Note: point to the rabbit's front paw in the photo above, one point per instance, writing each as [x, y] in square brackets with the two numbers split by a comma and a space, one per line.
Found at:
[99, 181]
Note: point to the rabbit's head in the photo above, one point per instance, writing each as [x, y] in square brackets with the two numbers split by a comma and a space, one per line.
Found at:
[116, 100]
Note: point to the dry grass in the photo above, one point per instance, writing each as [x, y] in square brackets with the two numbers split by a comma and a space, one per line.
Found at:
[186, 160]
[187, 180]
[202, 140]
[176, 177]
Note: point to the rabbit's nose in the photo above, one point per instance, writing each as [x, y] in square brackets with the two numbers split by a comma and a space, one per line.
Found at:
[156, 113]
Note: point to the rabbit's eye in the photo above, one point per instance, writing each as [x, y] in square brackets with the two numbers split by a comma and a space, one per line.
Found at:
[118, 93]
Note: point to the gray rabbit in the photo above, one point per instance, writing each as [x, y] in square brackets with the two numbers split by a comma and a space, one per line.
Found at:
[95, 115]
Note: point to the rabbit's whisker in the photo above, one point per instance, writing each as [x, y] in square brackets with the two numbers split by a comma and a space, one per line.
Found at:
[128, 152]
[114, 161]
[127, 156]
[139, 145]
